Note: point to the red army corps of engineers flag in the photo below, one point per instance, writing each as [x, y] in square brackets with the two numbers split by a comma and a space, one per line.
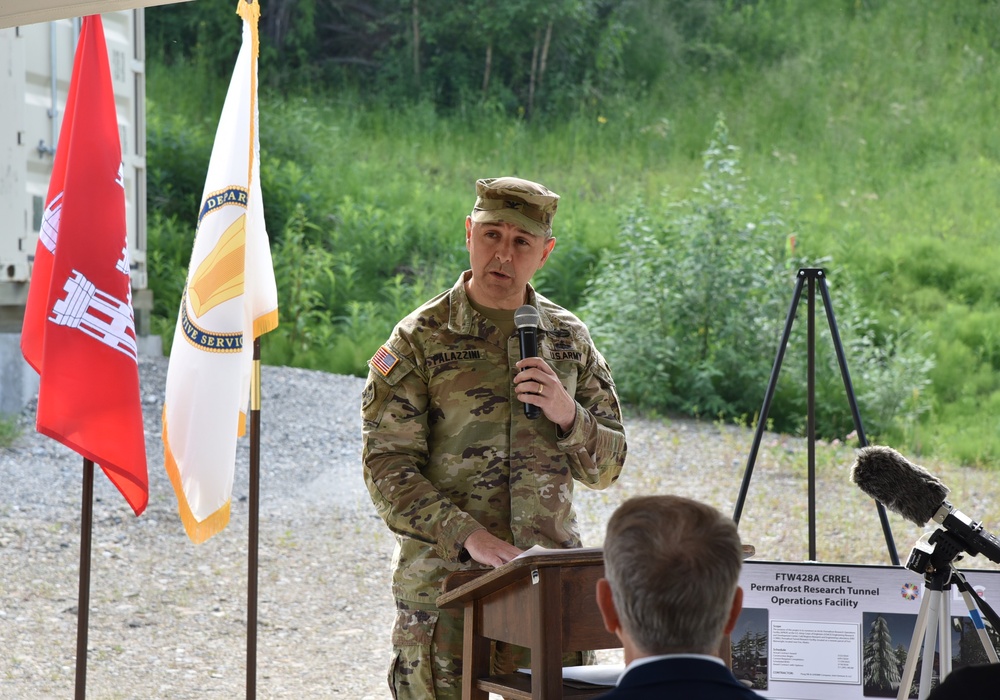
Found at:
[79, 328]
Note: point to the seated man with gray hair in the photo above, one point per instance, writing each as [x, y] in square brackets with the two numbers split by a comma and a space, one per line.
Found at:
[671, 593]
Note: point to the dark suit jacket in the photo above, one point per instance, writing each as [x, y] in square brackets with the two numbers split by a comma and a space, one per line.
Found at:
[680, 678]
[969, 683]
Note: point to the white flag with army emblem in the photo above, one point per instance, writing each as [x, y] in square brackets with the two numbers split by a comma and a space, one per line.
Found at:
[230, 299]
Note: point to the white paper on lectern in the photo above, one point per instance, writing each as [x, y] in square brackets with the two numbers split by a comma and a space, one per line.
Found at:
[599, 674]
[537, 549]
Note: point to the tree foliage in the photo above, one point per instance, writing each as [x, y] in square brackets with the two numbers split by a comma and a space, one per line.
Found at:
[881, 667]
[694, 293]
[519, 56]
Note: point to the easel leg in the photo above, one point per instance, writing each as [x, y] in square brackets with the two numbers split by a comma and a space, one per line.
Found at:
[845, 374]
[768, 397]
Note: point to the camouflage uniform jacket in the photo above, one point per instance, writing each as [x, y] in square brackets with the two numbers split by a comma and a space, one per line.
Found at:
[447, 449]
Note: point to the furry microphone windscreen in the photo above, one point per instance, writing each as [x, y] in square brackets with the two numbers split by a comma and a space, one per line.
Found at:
[902, 487]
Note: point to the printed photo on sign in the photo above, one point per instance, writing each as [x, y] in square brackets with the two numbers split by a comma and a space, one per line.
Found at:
[887, 637]
[966, 646]
[749, 648]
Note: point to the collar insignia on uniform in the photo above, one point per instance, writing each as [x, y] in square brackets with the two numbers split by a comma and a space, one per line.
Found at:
[384, 361]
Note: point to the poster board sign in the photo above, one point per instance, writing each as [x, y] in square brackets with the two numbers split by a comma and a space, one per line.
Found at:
[812, 631]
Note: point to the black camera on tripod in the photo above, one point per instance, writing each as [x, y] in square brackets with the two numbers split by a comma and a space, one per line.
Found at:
[945, 548]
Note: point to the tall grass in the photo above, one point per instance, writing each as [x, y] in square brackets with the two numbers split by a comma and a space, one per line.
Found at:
[873, 123]
[881, 128]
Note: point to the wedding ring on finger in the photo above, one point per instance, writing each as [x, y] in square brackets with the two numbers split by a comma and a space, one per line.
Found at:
[541, 388]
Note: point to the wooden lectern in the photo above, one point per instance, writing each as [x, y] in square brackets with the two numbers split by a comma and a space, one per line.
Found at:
[543, 601]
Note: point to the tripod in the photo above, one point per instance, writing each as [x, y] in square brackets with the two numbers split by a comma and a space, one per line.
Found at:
[936, 607]
[812, 276]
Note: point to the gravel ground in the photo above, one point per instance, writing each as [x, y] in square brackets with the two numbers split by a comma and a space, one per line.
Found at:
[168, 618]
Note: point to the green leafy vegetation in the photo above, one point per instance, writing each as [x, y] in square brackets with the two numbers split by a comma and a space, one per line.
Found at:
[9, 430]
[856, 135]
[686, 302]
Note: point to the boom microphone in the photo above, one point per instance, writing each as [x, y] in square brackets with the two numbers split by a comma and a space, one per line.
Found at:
[914, 493]
[526, 321]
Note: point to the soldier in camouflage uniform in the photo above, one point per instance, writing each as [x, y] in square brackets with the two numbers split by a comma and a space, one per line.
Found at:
[457, 471]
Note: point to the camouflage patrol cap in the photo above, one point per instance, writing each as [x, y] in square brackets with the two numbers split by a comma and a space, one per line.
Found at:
[526, 204]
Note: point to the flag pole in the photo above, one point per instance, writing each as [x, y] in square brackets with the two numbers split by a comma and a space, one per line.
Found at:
[83, 600]
[254, 522]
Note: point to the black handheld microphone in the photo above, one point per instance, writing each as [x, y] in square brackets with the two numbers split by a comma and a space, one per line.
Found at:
[912, 492]
[526, 321]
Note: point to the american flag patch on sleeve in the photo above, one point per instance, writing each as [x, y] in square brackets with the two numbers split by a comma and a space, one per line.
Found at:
[384, 361]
